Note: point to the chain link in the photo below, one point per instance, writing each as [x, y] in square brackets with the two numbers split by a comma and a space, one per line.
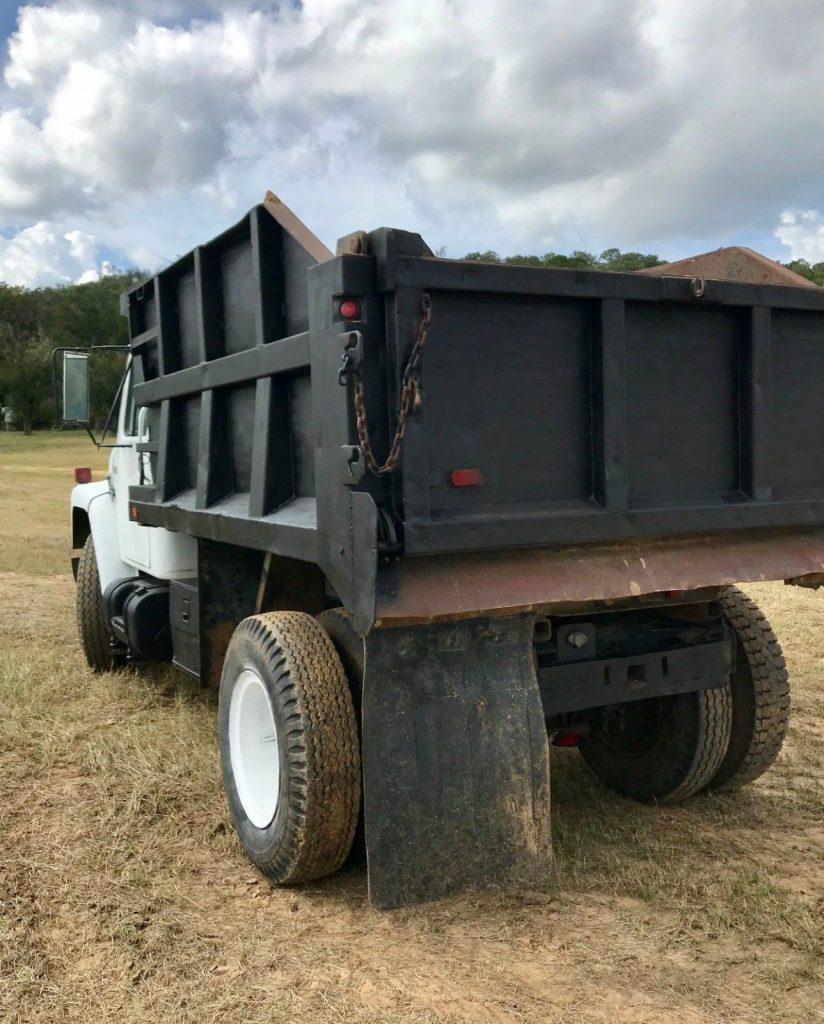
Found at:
[409, 390]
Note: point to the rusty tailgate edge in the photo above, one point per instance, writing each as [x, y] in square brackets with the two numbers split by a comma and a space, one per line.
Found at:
[428, 589]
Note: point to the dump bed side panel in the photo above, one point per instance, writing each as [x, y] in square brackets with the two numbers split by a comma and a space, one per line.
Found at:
[221, 341]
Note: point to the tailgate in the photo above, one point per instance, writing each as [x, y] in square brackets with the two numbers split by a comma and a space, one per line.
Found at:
[600, 407]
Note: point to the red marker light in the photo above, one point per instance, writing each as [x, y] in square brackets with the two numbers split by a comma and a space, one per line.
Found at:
[466, 478]
[349, 309]
[568, 739]
[83, 475]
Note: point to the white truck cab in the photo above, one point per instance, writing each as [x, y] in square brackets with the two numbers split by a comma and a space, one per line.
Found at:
[100, 510]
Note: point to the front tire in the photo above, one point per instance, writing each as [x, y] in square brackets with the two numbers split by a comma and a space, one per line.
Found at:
[663, 749]
[92, 625]
[289, 747]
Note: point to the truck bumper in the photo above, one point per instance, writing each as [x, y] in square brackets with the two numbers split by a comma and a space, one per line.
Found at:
[415, 590]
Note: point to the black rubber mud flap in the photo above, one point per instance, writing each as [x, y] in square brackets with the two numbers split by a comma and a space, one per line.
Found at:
[455, 760]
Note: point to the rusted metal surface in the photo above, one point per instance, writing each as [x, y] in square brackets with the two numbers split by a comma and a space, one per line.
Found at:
[292, 224]
[417, 590]
[356, 243]
[734, 263]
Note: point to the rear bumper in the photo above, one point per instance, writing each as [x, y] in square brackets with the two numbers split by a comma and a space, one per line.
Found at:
[430, 589]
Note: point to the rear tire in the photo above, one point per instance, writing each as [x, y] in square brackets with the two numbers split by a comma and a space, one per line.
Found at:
[289, 747]
[760, 695]
[92, 625]
[340, 626]
[663, 749]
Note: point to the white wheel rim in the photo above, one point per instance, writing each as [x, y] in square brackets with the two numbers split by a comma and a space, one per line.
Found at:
[253, 748]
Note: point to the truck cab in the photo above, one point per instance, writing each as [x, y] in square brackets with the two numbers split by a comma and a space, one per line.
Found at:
[125, 547]
[120, 554]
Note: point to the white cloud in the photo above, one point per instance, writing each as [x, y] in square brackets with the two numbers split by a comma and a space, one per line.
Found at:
[508, 123]
[121, 105]
[47, 41]
[45, 253]
[30, 180]
[802, 231]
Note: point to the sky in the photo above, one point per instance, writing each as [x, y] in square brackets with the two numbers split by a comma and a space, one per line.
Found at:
[132, 130]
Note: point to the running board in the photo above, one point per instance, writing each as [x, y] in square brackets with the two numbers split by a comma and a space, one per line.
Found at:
[455, 760]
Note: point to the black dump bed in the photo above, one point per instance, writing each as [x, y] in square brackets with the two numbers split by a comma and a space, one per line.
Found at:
[665, 431]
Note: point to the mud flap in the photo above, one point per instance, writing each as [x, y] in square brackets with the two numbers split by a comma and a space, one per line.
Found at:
[455, 760]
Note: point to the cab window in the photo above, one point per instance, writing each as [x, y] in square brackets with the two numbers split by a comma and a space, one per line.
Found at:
[130, 410]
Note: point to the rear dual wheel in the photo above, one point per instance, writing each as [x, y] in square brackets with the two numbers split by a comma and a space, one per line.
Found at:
[289, 747]
[663, 749]
[669, 748]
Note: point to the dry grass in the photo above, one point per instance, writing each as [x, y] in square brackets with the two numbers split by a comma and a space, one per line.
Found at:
[36, 478]
[123, 894]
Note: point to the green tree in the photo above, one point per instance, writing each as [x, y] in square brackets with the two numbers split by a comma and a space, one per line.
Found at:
[85, 315]
[610, 259]
[490, 256]
[33, 323]
[813, 272]
[24, 355]
[614, 259]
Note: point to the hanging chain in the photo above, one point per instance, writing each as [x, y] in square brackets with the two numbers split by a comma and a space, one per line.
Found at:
[409, 390]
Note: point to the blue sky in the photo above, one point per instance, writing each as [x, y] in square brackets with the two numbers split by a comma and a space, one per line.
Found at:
[130, 131]
[8, 18]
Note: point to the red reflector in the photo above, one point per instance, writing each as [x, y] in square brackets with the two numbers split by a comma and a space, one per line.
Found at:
[465, 477]
[570, 739]
[349, 309]
[83, 475]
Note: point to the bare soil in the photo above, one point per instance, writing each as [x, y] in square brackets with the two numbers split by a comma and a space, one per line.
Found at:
[124, 895]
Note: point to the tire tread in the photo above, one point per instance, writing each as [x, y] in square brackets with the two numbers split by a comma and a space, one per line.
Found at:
[771, 695]
[91, 613]
[322, 745]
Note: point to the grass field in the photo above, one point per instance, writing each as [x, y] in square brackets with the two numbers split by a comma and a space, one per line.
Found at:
[124, 895]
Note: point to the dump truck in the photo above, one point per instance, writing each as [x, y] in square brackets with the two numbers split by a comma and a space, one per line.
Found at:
[421, 519]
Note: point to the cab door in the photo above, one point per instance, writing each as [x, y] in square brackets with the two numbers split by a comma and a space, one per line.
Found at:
[129, 467]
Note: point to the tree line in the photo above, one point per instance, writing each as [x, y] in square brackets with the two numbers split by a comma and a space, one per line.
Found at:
[812, 271]
[609, 259]
[33, 322]
[614, 259]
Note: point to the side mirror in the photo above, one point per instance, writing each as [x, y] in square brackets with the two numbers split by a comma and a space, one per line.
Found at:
[73, 381]
[76, 387]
